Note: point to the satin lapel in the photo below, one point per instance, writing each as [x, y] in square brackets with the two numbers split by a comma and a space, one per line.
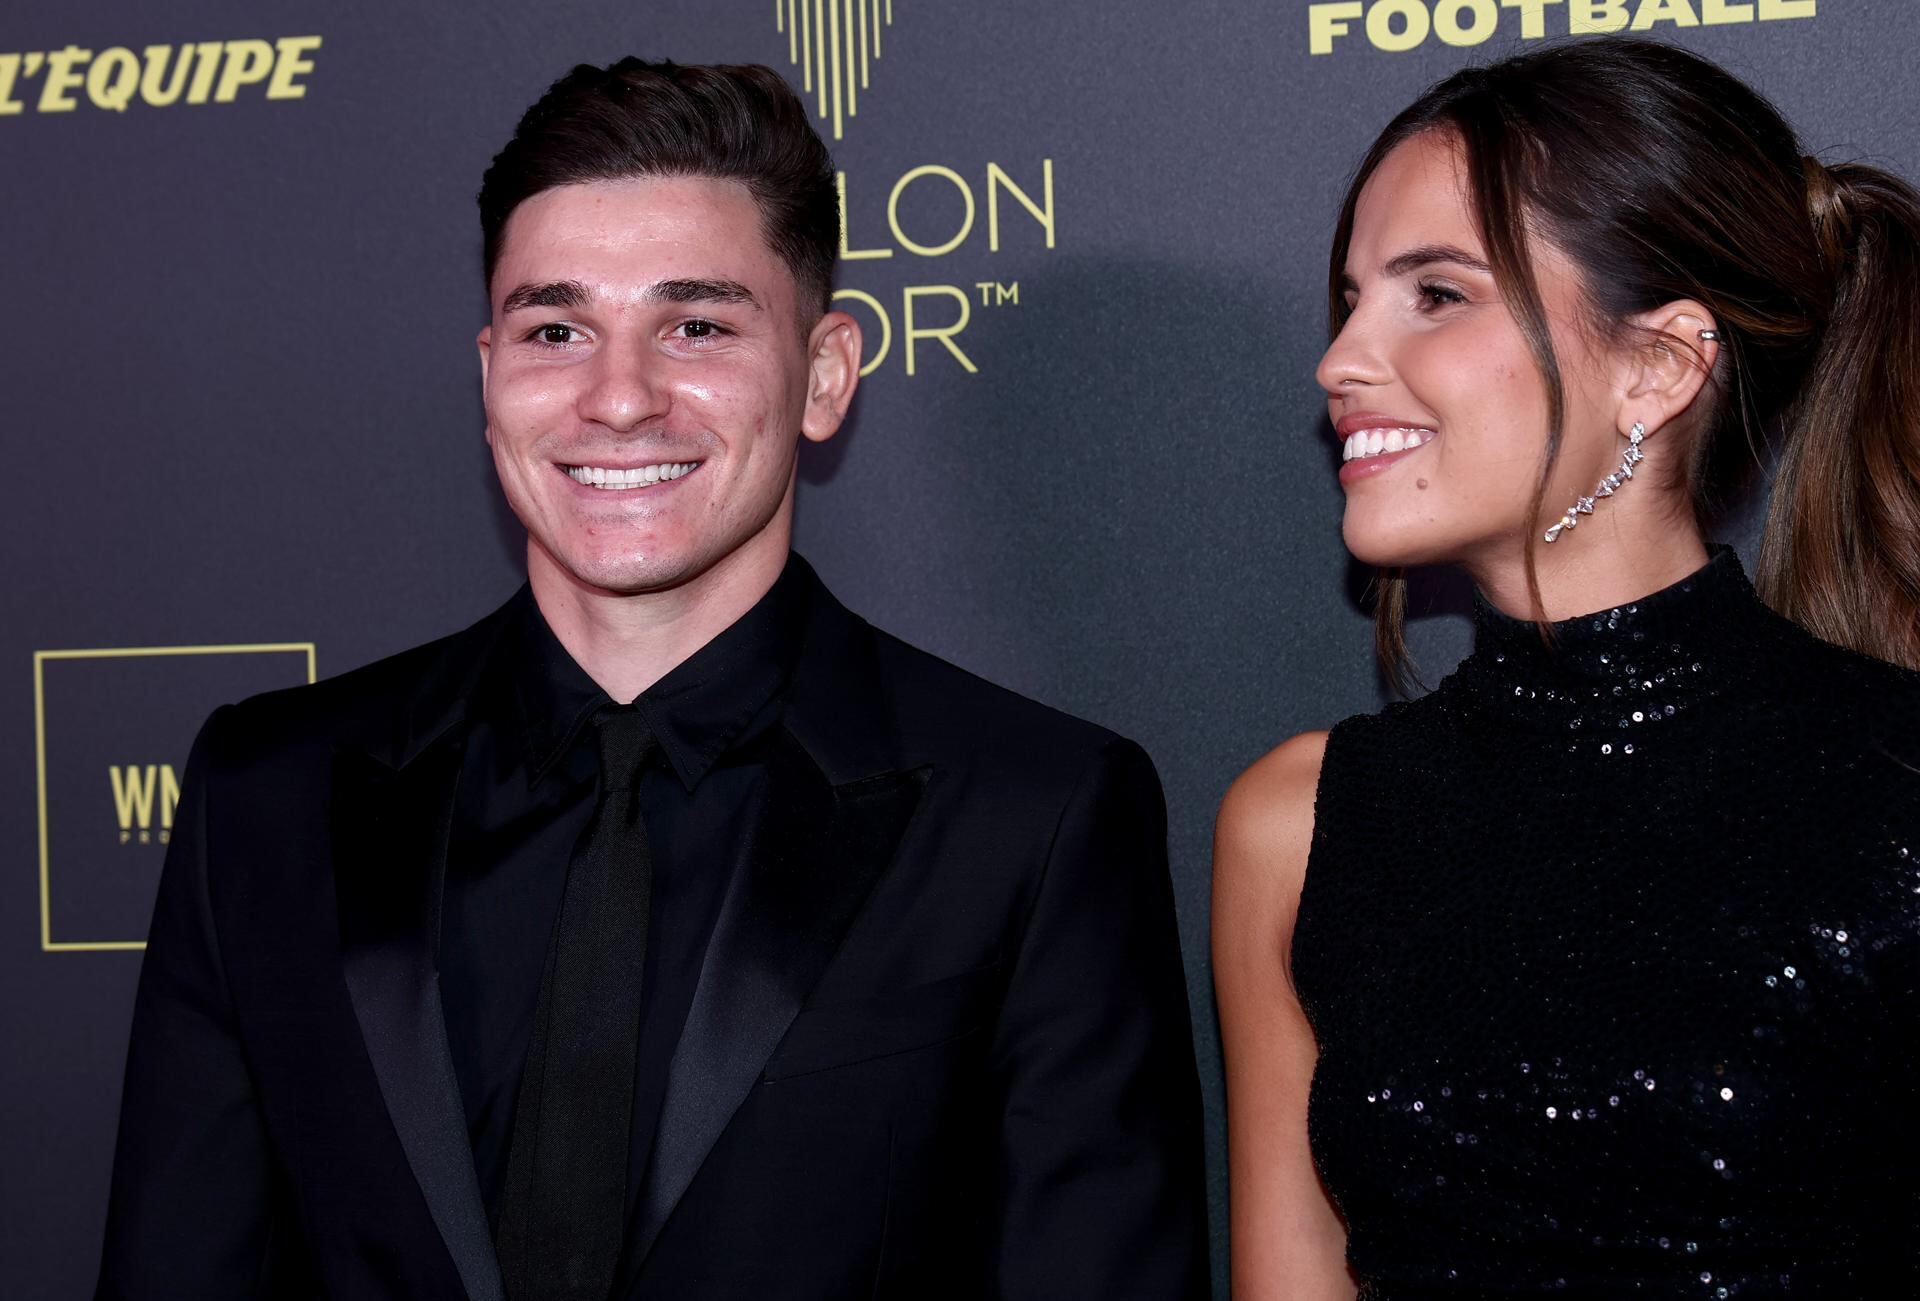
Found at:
[809, 864]
[390, 838]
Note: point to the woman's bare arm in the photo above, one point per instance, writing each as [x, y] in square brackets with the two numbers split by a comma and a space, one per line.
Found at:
[1288, 1242]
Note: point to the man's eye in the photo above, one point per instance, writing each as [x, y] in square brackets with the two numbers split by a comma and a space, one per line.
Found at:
[555, 336]
[700, 329]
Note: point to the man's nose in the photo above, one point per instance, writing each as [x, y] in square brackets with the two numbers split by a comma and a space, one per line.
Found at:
[626, 386]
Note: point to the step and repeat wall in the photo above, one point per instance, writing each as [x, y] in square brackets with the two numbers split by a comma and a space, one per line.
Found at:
[1086, 241]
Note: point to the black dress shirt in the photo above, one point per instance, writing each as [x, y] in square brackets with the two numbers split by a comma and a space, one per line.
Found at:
[528, 783]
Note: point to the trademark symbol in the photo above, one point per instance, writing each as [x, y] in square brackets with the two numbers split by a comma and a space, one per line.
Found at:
[994, 294]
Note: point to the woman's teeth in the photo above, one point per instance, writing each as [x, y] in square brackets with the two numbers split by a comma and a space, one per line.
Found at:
[1373, 442]
[598, 476]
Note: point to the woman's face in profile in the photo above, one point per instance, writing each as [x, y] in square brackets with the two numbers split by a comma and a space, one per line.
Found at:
[1430, 361]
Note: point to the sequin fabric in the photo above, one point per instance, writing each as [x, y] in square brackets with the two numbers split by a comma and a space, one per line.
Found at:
[1611, 951]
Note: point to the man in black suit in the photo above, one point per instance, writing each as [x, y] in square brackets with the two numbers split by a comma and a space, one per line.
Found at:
[671, 932]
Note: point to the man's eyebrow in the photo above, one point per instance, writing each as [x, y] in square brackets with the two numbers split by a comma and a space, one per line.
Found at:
[703, 291]
[557, 293]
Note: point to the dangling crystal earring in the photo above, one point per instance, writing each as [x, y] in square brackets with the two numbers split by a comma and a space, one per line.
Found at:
[1609, 485]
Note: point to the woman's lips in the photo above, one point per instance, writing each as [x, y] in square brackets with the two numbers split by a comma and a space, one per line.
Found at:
[1377, 439]
[1369, 449]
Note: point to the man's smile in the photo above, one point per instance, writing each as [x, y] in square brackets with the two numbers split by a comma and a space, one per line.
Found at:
[621, 478]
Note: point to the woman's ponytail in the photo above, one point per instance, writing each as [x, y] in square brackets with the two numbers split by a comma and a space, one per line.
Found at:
[1841, 554]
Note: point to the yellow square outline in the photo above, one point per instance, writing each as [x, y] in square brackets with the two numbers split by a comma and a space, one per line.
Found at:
[47, 943]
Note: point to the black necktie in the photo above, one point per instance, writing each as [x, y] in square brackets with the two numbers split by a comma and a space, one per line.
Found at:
[562, 1213]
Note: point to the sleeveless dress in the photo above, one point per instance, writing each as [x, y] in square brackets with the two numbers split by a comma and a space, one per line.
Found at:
[1612, 951]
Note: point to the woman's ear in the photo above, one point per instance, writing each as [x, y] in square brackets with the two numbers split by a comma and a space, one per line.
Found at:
[1664, 370]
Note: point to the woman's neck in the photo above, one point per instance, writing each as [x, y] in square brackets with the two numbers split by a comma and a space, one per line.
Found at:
[1601, 564]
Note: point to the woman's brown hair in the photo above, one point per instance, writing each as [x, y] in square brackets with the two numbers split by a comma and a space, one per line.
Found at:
[1664, 178]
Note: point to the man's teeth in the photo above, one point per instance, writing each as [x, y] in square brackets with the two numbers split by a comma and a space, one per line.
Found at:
[1372, 442]
[599, 476]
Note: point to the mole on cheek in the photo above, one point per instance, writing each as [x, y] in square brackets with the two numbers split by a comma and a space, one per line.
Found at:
[1420, 484]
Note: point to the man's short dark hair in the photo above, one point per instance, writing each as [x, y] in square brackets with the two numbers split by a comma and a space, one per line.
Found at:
[638, 119]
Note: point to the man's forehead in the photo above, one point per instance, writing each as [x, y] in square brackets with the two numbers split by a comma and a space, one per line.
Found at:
[654, 209]
[675, 238]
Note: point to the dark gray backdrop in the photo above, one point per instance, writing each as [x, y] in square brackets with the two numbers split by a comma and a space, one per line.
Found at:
[240, 403]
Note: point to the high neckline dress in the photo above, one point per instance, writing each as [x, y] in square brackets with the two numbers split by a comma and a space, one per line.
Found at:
[1611, 948]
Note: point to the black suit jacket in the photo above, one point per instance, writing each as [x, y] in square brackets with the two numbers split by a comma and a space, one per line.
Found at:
[939, 1047]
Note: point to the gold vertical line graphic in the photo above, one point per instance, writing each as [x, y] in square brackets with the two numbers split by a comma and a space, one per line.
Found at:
[834, 43]
[833, 39]
[40, 766]
[820, 53]
[806, 45]
[853, 96]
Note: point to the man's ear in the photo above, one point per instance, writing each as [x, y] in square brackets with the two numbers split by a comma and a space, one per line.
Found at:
[1667, 367]
[833, 373]
[484, 342]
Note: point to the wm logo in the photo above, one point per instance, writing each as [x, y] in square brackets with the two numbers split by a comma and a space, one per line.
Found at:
[98, 715]
[834, 43]
[136, 789]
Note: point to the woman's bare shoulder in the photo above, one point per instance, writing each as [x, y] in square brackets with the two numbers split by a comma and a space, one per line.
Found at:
[1265, 827]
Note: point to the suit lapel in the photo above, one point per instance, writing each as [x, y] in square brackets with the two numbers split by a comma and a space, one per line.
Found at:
[807, 866]
[390, 829]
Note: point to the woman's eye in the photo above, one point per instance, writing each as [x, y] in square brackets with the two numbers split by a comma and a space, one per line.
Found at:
[1438, 295]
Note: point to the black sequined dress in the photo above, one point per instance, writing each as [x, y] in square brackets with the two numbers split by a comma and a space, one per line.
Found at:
[1611, 951]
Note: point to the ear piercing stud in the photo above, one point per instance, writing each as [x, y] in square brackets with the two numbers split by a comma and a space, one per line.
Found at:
[1709, 336]
[1609, 485]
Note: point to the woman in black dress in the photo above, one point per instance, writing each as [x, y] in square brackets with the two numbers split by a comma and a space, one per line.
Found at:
[1596, 970]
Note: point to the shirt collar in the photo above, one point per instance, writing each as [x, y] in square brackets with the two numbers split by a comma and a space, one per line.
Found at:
[720, 696]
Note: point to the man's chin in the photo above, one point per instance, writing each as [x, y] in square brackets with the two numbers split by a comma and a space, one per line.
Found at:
[612, 569]
[611, 575]
[634, 578]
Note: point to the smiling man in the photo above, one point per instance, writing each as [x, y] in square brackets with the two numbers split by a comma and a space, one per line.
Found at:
[671, 932]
